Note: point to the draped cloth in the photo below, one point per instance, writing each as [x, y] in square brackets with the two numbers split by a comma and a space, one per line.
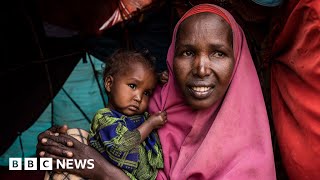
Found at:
[295, 89]
[116, 137]
[231, 139]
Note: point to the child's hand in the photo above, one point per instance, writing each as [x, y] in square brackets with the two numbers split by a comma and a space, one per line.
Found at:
[163, 77]
[158, 120]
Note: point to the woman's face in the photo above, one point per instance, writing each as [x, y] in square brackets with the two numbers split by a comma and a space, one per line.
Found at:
[204, 60]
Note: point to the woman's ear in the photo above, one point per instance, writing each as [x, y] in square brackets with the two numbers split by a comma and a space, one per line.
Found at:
[108, 81]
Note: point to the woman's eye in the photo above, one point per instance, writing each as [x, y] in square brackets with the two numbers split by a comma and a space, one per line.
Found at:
[218, 54]
[132, 86]
[147, 93]
[187, 53]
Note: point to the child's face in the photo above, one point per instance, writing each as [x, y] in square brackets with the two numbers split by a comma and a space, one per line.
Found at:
[129, 92]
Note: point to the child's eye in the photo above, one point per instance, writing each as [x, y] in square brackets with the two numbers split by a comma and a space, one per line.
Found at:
[147, 93]
[188, 53]
[132, 86]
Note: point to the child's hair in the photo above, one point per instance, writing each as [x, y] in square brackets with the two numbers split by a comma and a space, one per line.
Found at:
[121, 59]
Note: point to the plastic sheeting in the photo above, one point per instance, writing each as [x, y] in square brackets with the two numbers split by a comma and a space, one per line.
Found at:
[269, 3]
[74, 105]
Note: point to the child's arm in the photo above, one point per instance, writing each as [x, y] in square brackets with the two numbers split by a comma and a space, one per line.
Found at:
[153, 122]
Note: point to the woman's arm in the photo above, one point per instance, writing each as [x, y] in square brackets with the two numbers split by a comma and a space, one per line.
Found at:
[56, 144]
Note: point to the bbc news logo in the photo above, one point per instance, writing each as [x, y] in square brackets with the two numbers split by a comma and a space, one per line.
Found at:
[46, 164]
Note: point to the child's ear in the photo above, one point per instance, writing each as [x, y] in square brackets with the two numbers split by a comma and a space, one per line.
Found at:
[108, 81]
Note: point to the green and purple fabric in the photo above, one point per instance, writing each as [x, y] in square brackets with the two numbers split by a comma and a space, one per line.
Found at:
[116, 137]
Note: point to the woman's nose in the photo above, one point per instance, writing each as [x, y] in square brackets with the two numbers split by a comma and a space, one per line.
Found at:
[201, 67]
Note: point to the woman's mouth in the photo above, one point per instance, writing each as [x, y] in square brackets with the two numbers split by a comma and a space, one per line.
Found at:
[201, 92]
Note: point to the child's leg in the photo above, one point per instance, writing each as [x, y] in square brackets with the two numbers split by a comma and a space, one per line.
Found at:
[81, 135]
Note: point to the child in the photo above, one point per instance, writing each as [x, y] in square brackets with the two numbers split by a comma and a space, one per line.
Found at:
[123, 132]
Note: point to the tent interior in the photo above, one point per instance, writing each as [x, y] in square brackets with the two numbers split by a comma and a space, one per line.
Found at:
[54, 55]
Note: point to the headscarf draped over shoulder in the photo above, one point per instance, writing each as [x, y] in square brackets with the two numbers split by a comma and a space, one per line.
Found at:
[231, 139]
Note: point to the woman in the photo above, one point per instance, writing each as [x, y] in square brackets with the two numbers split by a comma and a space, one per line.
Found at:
[217, 122]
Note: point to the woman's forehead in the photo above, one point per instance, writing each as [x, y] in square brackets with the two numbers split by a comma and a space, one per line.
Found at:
[204, 17]
[203, 22]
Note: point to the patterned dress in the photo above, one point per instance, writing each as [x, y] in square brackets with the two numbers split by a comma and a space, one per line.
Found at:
[116, 137]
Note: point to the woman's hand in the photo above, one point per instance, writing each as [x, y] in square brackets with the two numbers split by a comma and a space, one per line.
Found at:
[55, 143]
[57, 146]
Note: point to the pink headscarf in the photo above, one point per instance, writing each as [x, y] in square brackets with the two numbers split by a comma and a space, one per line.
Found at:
[231, 139]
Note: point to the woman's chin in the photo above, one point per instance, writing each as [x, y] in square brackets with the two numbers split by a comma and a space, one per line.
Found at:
[200, 101]
[198, 104]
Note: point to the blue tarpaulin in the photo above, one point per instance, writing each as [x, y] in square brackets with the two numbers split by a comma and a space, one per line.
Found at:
[74, 105]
